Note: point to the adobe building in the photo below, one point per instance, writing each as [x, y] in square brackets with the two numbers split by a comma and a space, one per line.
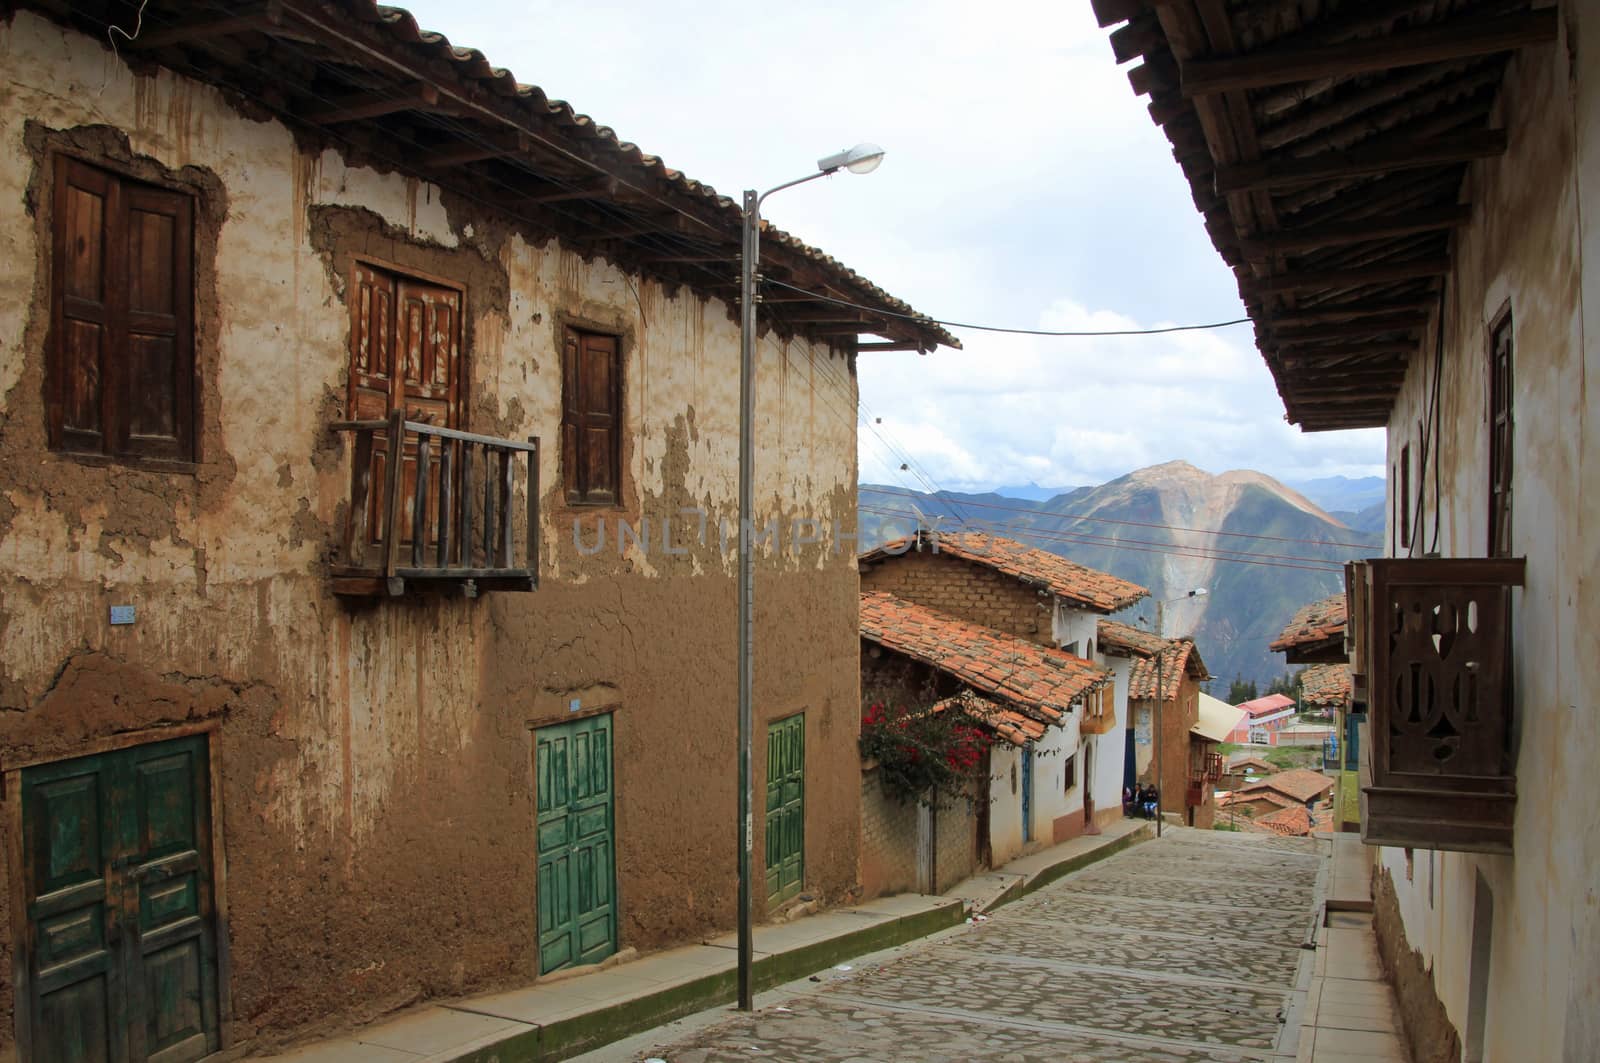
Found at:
[358, 649]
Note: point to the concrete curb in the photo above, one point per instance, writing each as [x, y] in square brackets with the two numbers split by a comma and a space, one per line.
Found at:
[1044, 876]
[573, 1036]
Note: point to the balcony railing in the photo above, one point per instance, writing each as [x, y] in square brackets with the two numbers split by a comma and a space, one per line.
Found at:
[1432, 669]
[1204, 773]
[444, 514]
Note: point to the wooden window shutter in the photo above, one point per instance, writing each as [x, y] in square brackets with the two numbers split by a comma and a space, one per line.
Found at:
[122, 358]
[590, 418]
[1500, 437]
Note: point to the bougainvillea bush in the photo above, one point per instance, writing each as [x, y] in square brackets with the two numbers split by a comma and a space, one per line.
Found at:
[931, 757]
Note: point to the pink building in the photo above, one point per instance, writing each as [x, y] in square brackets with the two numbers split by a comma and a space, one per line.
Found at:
[1263, 719]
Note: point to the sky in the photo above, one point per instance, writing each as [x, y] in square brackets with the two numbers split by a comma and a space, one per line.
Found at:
[1024, 186]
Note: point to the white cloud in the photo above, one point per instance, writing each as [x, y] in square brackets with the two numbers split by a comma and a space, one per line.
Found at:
[1025, 185]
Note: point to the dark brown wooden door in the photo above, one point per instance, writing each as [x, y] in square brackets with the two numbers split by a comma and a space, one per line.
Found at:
[591, 410]
[121, 944]
[405, 354]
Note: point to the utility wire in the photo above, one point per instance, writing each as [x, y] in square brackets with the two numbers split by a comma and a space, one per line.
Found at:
[922, 319]
[1153, 524]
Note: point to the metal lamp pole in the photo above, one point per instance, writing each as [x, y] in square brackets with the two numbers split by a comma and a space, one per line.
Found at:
[1161, 633]
[863, 158]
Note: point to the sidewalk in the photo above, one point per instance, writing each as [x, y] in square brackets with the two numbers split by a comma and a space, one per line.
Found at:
[559, 1018]
[1350, 1012]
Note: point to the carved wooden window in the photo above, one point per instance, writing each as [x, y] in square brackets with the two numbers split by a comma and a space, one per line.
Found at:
[591, 418]
[121, 356]
[1500, 427]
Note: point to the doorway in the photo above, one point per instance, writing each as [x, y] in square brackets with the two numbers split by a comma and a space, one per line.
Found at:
[576, 842]
[786, 808]
[121, 956]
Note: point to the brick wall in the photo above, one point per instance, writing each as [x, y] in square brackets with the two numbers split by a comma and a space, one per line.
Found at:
[956, 838]
[889, 842]
[961, 588]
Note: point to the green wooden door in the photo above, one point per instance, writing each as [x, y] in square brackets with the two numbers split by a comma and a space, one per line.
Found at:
[121, 949]
[786, 796]
[577, 906]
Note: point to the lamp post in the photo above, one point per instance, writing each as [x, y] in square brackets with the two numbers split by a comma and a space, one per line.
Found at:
[1155, 713]
[863, 158]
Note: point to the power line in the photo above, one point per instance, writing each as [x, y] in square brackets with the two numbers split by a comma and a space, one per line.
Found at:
[923, 319]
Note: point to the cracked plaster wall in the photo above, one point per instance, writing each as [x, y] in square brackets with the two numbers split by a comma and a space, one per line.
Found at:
[376, 800]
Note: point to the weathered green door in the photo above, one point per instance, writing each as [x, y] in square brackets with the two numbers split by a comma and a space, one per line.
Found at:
[121, 951]
[577, 907]
[786, 819]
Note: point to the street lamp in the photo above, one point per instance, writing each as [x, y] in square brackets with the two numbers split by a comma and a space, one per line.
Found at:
[1155, 713]
[863, 158]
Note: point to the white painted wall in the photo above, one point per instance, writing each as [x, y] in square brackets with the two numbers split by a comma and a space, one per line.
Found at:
[1536, 223]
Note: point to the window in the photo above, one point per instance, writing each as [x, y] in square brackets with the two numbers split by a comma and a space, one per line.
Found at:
[1500, 424]
[1069, 773]
[1405, 496]
[1072, 648]
[121, 358]
[591, 422]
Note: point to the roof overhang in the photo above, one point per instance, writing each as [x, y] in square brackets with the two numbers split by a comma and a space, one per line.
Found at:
[1327, 152]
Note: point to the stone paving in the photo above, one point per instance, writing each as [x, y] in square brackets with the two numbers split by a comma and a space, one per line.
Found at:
[1185, 949]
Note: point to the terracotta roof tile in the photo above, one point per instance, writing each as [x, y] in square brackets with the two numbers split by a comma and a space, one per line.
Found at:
[1300, 784]
[1037, 679]
[1293, 822]
[1011, 726]
[1088, 587]
[1244, 797]
[1177, 657]
[1317, 622]
[1326, 684]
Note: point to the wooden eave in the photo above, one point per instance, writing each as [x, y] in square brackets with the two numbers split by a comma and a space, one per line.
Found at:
[1326, 651]
[1326, 147]
[367, 80]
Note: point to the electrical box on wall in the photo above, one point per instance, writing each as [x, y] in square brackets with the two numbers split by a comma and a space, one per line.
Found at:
[122, 614]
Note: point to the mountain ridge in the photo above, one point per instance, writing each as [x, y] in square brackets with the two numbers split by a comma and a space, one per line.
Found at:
[1259, 548]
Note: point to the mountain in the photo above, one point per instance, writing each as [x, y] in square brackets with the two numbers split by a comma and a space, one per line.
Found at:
[1032, 492]
[1260, 549]
[1369, 519]
[1338, 494]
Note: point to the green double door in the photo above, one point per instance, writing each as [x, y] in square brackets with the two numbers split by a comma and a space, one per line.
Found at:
[576, 839]
[121, 951]
[786, 807]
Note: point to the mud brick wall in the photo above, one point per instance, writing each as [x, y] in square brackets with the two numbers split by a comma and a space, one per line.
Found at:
[963, 589]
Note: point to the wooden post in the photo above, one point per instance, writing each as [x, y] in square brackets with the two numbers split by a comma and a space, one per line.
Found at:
[356, 530]
[419, 501]
[488, 507]
[466, 505]
[505, 509]
[391, 500]
[533, 510]
[447, 450]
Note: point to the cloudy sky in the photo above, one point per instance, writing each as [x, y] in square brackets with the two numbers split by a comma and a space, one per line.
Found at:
[1025, 186]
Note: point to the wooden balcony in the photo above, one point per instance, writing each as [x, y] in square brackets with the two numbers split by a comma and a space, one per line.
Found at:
[1099, 712]
[449, 515]
[1205, 771]
[1432, 639]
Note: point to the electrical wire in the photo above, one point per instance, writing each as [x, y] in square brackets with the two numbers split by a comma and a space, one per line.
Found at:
[1160, 526]
[923, 319]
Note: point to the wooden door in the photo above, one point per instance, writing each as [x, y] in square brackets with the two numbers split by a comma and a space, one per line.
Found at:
[785, 826]
[576, 841]
[405, 354]
[1027, 793]
[121, 948]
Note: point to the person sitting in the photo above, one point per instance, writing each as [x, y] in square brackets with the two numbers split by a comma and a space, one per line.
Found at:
[1130, 801]
[1150, 802]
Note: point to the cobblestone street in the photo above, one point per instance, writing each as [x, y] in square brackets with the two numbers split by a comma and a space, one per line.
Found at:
[1187, 948]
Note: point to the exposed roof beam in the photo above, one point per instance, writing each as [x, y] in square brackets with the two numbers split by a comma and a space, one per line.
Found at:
[418, 96]
[264, 18]
[865, 348]
[1357, 230]
[591, 188]
[1362, 162]
[1353, 278]
[1107, 12]
[1372, 326]
[489, 146]
[1316, 315]
[1359, 354]
[1430, 44]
